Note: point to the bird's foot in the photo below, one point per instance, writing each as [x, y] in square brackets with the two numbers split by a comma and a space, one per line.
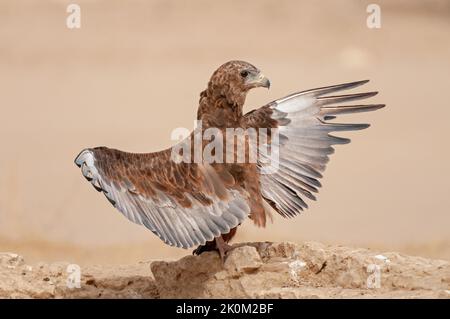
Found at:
[223, 248]
[199, 250]
[209, 246]
[219, 245]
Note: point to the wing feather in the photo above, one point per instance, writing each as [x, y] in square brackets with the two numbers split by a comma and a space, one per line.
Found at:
[306, 143]
[183, 204]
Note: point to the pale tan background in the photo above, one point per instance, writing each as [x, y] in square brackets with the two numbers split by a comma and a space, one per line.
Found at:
[133, 72]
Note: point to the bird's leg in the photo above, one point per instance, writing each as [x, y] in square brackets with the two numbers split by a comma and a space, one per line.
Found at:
[222, 247]
[220, 244]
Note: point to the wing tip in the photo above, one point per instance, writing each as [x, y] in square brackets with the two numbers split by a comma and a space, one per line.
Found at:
[370, 94]
[339, 87]
[82, 157]
[361, 82]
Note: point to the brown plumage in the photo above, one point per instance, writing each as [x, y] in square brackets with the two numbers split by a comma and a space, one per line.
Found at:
[190, 204]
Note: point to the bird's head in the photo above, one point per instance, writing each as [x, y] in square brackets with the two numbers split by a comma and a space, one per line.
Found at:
[234, 79]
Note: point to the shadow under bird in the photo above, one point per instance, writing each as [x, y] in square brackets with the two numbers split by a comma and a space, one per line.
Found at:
[189, 204]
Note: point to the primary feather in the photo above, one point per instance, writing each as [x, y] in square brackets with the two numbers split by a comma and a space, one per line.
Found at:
[302, 118]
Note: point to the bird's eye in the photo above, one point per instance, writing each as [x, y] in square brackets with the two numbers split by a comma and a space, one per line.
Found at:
[244, 73]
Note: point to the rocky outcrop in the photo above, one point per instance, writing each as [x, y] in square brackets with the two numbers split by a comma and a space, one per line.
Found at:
[253, 270]
[309, 270]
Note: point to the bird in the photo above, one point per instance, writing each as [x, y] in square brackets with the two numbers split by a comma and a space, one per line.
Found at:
[201, 203]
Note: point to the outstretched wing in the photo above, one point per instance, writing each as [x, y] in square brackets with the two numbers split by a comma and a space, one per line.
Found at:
[183, 204]
[305, 141]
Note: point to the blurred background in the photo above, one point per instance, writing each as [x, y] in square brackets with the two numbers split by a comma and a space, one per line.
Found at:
[133, 72]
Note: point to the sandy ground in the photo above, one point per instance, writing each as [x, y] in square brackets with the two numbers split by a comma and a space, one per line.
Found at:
[133, 73]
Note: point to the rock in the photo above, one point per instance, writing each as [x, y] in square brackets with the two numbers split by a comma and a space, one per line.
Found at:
[308, 270]
[18, 280]
[10, 260]
[242, 260]
[252, 270]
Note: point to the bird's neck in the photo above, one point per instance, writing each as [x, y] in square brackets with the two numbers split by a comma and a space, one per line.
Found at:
[220, 106]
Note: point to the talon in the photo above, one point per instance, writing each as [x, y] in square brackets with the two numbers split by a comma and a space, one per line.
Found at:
[208, 246]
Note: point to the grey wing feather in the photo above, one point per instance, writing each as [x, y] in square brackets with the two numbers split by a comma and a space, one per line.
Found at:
[304, 152]
[175, 225]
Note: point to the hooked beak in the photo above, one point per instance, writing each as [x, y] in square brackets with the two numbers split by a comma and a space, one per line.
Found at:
[261, 81]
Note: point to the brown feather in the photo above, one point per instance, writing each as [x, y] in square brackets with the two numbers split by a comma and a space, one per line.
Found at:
[188, 204]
